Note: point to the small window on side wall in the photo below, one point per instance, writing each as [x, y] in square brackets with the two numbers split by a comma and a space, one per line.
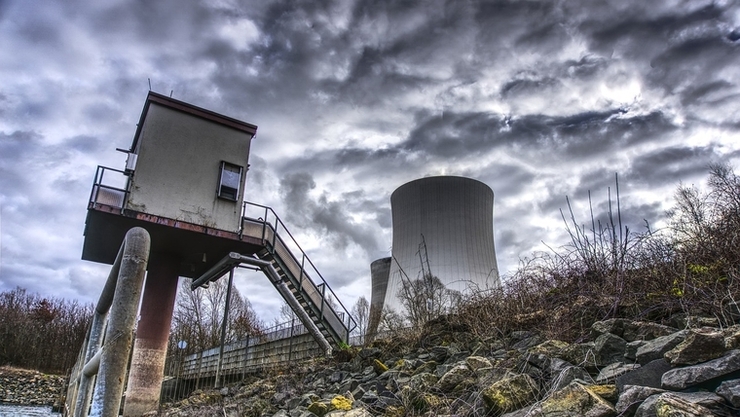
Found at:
[228, 182]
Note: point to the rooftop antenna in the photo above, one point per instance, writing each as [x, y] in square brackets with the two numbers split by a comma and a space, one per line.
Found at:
[171, 91]
[150, 83]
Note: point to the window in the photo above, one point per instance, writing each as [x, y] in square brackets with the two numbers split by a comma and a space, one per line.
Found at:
[228, 183]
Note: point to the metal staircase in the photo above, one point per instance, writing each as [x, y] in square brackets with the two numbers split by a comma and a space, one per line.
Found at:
[299, 274]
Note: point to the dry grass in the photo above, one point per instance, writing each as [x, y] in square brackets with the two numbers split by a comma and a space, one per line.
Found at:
[607, 271]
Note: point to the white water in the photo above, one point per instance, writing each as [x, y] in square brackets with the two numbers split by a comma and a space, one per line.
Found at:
[13, 410]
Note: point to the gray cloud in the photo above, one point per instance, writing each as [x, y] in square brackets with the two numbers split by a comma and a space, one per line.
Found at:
[537, 99]
[327, 217]
[664, 166]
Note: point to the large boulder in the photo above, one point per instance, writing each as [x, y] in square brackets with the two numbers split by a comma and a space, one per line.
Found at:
[612, 371]
[453, 377]
[633, 396]
[682, 378]
[700, 345]
[580, 354]
[477, 362]
[614, 326]
[609, 348]
[694, 404]
[563, 373]
[648, 375]
[512, 392]
[656, 348]
[730, 391]
[640, 330]
[576, 400]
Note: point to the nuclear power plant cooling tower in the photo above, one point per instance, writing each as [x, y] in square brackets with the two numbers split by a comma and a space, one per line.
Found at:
[442, 227]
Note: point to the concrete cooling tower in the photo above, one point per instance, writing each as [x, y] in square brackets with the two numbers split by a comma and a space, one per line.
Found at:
[379, 273]
[442, 226]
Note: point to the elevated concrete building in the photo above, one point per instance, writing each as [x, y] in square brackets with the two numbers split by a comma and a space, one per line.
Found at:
[442, 227]
[184, 183]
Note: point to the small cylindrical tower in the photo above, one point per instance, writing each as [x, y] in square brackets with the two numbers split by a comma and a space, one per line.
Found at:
[442, 227]
[379, 273]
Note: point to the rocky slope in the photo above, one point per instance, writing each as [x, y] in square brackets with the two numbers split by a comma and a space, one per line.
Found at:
[21, 386]
[628, 368]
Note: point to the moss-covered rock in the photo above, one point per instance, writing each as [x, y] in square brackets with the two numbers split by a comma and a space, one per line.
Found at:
[551, 347]
[577, 400]
[426, 367]
[477, 362]
[510, 393]
[668, 405]
[255, 407]
[340, 402]
[205, 397]
[423, 381]
[608, 392]
[454, 376]
[395, 411]
[319, 408]
[700, 345]
[379, 367]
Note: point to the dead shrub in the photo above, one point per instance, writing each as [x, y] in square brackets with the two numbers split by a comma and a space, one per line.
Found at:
[609, 271]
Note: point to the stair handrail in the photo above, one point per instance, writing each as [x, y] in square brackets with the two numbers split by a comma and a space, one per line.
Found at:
[351, 323]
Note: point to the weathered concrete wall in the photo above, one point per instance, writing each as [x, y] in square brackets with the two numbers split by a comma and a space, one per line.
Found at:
[178, 167]
[259, 354]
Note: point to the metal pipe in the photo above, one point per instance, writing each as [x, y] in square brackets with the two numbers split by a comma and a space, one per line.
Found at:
[119, 333]
[95, 338]
[223, 329]
[233, 259]
[288, 296]
[92, 366]
[216, 271]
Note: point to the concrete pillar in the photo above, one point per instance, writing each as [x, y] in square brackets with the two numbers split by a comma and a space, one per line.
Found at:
[150, 346]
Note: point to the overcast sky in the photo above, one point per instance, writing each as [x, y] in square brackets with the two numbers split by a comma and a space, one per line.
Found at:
[537, 99]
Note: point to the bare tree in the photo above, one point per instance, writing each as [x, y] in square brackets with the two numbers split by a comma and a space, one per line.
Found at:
[199, 315]
[29, 324]
[361, 314]
[390, 320]
[286, 315]
[425, 299]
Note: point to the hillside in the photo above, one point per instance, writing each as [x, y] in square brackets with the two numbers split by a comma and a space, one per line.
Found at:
[625, 368]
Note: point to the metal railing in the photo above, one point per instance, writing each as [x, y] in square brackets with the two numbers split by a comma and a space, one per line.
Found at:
[115, 315]
[274, 231]
[275, 346]
[109, 191]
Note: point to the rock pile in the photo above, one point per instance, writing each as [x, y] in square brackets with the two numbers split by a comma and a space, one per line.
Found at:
[20, 386]
[627, 369]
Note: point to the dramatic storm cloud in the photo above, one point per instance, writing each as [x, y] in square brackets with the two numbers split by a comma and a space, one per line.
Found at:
[538, 99]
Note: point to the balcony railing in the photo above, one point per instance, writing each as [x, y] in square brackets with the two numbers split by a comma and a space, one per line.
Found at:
[109, 187]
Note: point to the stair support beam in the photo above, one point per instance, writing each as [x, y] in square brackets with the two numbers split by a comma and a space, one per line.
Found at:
[233, 258]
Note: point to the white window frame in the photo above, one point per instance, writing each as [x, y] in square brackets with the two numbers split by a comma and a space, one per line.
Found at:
[226, 190]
